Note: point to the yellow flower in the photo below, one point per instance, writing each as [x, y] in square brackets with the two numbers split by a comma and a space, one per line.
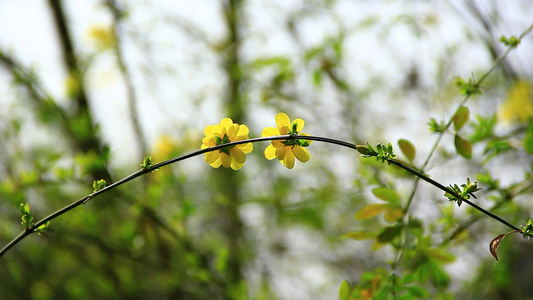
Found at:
[102, 36]
[223, 133]
[517, 107]
[287, 150]
[165, 147]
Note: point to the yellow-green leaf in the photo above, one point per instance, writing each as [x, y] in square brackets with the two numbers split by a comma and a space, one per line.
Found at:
[387, 194]
[461, 117]
[377, 245]
[528, 142]
[360, 235]
[407, 149]
[393, 214]
[370, 211]
[25, 208]
[344, 290]
[439, 255]
[463, 147]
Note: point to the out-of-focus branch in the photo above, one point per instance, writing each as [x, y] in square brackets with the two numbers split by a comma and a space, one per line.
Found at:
[38, 95]
[235, 103]
[123, 66]
[490, 42]
[88, 141]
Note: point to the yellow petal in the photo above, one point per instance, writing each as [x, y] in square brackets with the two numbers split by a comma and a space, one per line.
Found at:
[232, 131]
[210, 157]
[226, 160]
[270, 152]
[269, 131]
[208, 131]
[243, 131]
[278, 143]
[283, 130]
[235, 165]
[237, 155]
[282, 120]
[289, 159]
[246, 148]
[301, 153]
[216, 163]
[218, 130]
[209, 141]
[280, 152]
[226, 123]
[300, 123]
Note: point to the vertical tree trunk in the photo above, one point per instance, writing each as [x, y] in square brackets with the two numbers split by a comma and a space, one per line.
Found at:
[235, 109]
[85, 138]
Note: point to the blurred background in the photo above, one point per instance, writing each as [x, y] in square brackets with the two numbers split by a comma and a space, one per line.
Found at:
[88, 88]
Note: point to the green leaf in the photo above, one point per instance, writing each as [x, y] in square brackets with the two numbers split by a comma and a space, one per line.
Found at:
[42, 227]
[436, 127]
[463, 147]
[417, 292]
[270, 61]
[308, 216]
[461, 117]
[98, 185]
[407, 149]
[317, 77]
[439, 255]
[147, 162]
[344, 290]
[512, 42]
[27, 220]
[24, 208]
[366, 151]
[313, 52]
[370, 211]
[388, 234]
[438, 275]
[360, 235]
[416, 227]
[393, 214]
[387, 194]
[483, 127]
[469, 87]
[528, 142]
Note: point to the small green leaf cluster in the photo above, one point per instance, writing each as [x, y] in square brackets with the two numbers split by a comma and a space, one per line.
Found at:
[469, 87]
[436, 126]
[512, 41]
[147, 163]
[27, 219]
[382, 153]
[457, 194]
[98, 185]
[26, 216]
[527, 229]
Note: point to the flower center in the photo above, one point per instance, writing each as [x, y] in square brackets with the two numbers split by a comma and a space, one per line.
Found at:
[224, 140]
[294, 131]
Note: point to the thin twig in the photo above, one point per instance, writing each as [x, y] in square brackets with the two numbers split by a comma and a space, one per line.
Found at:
[141, 172]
